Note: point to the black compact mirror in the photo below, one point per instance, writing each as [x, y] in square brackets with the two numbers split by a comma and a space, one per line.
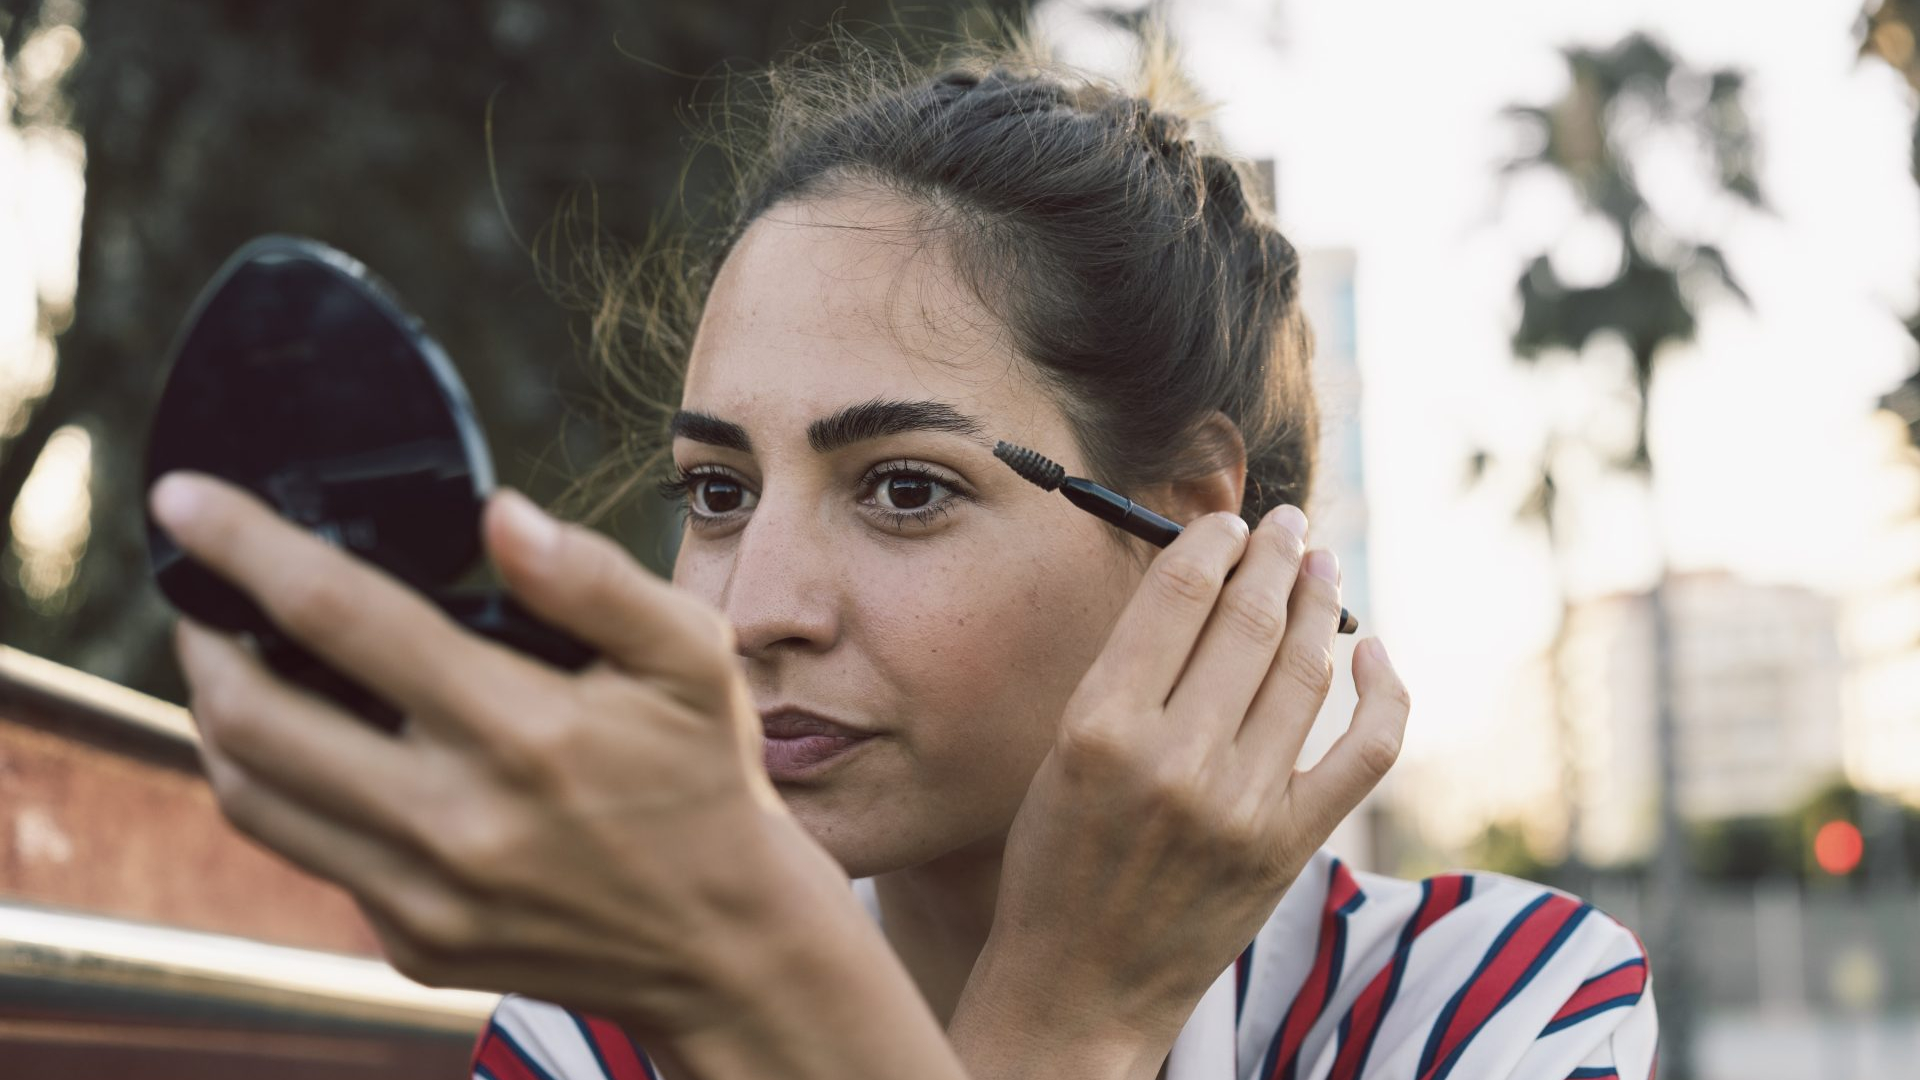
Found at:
[299, 376]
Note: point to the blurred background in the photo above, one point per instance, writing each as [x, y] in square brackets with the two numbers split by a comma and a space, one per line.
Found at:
[1617, 314]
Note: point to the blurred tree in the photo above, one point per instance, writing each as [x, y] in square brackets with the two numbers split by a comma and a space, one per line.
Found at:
[1502, 847]
[1539, 505]
[1617, 96]
[364, 124]
[1886, 29]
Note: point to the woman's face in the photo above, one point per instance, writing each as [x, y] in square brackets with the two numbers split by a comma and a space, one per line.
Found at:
[949, 609]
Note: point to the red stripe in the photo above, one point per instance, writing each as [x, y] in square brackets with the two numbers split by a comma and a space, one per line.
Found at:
[1447, 889]
[1442, 897]
[1622, 983]
[1491, 987]
[1311, 1001]
[479, 1044]
[501, 1060]
[616, 1050]
[1366, 1014]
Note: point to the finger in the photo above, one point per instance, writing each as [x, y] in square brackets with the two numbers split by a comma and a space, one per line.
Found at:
[1236, 647]
[371, 867]
[585, 583]
[1324, 795]
[347, 611]
[293, 741]
[1155, 633]
[1296, 683]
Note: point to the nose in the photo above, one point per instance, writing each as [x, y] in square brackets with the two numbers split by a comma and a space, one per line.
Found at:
[784, 589]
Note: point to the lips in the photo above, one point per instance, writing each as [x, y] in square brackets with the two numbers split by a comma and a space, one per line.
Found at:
[801, 743]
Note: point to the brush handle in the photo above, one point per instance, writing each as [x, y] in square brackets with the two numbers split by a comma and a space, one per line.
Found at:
[1116, 509]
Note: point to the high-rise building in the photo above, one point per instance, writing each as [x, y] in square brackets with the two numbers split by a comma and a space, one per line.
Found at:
[1757, 671]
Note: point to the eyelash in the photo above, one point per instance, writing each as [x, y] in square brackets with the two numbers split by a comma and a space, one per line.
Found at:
[679, 489]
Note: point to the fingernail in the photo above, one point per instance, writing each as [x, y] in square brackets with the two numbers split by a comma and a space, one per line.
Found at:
[175, 499]
[1292, 519]
[1379, 650]
[539, 531]
[1322, 564]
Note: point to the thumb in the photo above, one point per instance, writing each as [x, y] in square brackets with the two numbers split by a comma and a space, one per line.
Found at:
[585, 583]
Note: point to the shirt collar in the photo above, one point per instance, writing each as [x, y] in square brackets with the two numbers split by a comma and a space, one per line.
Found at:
[1204, 1049]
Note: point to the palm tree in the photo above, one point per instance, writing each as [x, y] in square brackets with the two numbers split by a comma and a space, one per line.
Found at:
[1584, 138]
[1540, 506]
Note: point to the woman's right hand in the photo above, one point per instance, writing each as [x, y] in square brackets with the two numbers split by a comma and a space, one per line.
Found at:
[1168, 819]
[605, 839]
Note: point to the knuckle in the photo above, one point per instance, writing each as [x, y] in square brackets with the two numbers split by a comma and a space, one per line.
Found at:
[478, 847]
[314, 601]
[230, 787]
[1087, 746]
[1378, 751]
[1397, 693]
[221, 705]
[1289, 547]
[438, 926]
[1311, 667]
[1185, 580]
[1178, 790]
[414, 960]
[1256, 614]
[536, 749]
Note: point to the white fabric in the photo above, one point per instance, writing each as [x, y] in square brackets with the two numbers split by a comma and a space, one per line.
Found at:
[1476, 996]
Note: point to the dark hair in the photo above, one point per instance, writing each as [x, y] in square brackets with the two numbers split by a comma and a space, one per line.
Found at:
[1138, 277]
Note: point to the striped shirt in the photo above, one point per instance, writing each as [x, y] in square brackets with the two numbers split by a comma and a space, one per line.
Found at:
[1355, 976]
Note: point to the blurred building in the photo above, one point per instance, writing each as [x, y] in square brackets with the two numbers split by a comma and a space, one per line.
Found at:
[1338, 508]
[1881, 620]
[1757, 676]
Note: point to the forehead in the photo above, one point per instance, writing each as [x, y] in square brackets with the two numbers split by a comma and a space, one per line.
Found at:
[831, 300]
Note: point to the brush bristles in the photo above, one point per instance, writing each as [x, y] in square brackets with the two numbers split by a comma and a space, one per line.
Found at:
[1037, 470]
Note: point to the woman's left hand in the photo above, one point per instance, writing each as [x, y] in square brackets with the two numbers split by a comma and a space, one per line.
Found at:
[1169, 817]
[606, 839]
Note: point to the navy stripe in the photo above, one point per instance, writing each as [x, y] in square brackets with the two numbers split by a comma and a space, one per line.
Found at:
[1245, 976]
[1400, 952]
[1336, 960]
[520, 1052]
[483, 1072]
[1594, 1072]
[1590, 1011]
[1553, 946]
[1445, 1019]
[593, 1047]
[1621, 966]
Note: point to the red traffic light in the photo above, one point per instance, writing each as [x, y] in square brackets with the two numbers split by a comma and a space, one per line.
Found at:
[1837, 847]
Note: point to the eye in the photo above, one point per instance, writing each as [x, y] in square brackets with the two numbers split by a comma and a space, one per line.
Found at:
[906, 494]
[705, 493]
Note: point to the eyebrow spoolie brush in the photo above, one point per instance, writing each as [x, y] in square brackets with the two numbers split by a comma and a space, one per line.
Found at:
[1106, 504]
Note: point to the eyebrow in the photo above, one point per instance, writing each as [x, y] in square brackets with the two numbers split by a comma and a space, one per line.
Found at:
[855, 423]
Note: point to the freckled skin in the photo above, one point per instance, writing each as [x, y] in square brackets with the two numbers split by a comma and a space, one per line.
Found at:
[961, 641]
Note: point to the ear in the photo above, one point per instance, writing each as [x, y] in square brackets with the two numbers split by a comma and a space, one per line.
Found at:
[1222, 487]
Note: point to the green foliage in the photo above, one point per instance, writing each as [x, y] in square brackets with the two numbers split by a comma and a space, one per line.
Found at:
[433, 141]
[1502, 847]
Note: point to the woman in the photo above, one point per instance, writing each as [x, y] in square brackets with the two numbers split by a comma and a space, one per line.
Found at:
[1058, 764]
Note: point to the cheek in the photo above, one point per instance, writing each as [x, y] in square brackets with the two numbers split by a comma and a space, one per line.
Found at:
[984, 655]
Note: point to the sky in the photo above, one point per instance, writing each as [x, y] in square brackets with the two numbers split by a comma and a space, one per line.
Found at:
[1383, 118]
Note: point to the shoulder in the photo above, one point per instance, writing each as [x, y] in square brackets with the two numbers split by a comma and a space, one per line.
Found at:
[1462, 974]
[526, 1037]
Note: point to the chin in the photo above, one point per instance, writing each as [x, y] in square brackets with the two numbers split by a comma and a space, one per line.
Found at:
[871, 841]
